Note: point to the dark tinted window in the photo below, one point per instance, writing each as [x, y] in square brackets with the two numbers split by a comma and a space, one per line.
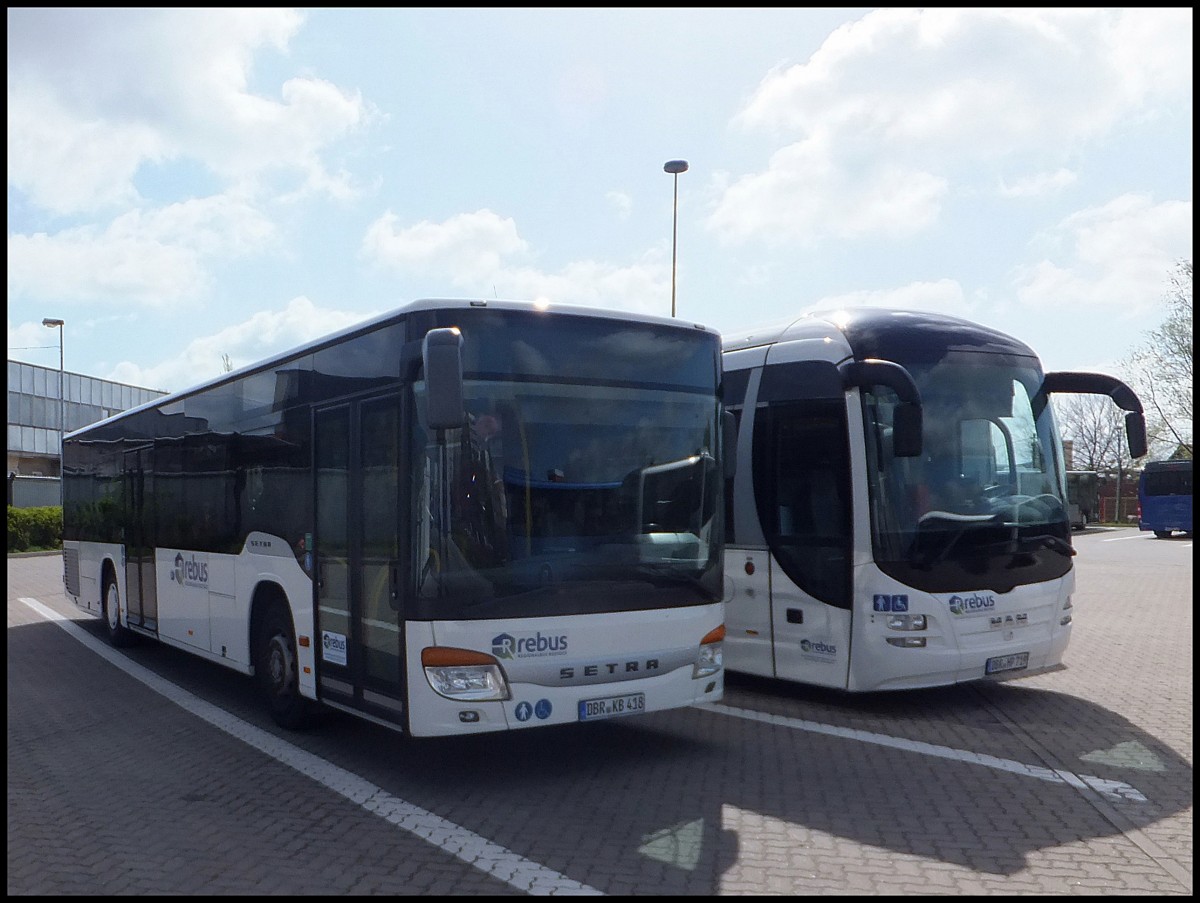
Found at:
[515, 343]
[802, 490]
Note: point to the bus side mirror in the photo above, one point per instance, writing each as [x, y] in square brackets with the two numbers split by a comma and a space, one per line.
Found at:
[906, 430]
[1135, 431]
[729, 443]
[1101, 384]
[907, 418]
[442, 356]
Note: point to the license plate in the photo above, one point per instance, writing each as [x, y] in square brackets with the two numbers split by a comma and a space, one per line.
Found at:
[1012, 662]
[611, 706]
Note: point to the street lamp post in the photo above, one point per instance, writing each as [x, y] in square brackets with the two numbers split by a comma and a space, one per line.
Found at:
[674, 167]
[62, 424]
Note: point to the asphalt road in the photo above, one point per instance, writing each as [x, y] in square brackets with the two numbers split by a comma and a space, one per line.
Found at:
[146, 771]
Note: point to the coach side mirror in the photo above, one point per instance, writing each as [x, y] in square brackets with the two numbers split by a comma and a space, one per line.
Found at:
[1101, 384]
[907, 417]
[729, 443]
[442, 356]
[1135, 432]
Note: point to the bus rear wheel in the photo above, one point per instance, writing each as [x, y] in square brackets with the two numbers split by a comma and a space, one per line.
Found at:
[118, 634]
[1163, 534]
[278, 670]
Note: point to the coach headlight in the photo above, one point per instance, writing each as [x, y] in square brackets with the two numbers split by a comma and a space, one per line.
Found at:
[906, 622]
[710, 658]
[463, 674]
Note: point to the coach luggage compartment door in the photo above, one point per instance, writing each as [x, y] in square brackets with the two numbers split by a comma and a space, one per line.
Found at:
[358, 505]
[140, 587]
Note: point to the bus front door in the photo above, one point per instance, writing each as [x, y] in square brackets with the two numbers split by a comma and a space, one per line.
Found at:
[141, 591]
[359, 624]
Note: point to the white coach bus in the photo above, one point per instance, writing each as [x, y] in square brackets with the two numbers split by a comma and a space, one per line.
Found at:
[898, 517]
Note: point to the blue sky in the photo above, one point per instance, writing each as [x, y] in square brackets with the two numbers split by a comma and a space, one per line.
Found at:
[189, 184]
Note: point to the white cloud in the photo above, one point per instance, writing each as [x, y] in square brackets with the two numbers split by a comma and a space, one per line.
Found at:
[67, 164]
[470, 245]
[1108, 256]
[480, 254]
[621, 202]
[262, 335]
[151, 258]
[95, 94]
[803, 196]
[1038, 184]
[962, 92]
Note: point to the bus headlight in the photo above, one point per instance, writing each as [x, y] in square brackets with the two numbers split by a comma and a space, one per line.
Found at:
[463, 674]
[907, 642]
[710, 658]
[906, 622]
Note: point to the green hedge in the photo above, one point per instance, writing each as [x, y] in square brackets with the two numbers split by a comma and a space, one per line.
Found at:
[34, 529]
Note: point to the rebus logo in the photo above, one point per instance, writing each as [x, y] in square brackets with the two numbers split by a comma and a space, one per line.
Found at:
[818, 647]
[961, 605]
[510, 647]
[189, 571]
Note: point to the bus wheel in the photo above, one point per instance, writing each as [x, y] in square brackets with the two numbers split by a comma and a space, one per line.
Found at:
[1163, 534]
[276, 665]
[118, 634]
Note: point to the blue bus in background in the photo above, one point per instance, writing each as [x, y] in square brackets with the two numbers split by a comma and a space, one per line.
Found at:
[1165, 498]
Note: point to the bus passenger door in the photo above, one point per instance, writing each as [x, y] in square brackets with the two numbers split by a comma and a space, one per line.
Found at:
[802, 479]
[140, 588]
[357, 448]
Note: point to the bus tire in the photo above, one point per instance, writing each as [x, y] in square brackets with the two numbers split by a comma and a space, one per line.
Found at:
[278, 670]
[118, 634]
[1163, 534]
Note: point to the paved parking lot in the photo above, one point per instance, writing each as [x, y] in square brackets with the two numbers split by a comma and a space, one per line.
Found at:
[145, 771]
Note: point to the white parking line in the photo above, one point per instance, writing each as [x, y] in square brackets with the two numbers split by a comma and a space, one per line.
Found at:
[1111, 789]
[478, 852]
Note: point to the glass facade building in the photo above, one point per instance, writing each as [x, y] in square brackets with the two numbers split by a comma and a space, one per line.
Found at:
[34, 411]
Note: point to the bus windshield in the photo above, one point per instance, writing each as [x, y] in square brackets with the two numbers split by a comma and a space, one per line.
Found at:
[569, 498]
[983, 506]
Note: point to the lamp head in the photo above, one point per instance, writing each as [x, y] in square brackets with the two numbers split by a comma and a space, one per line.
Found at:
[675, 166]
[51, 322]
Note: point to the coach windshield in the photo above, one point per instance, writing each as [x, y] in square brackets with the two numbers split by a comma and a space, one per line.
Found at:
[567, 496]
[983, 506]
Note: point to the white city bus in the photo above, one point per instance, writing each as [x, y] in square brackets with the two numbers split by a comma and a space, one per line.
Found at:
[898, 515]
[462, 516]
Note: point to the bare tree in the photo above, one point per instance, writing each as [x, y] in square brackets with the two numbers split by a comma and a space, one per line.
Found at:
[226, 363]
[1160, 371]
[1096, 428]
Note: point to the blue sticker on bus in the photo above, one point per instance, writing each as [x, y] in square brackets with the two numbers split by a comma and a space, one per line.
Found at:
[523, 711]
[543, 709]
[898, 602]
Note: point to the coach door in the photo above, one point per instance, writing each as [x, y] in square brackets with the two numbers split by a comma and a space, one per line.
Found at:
[140, 588]
[359, 624]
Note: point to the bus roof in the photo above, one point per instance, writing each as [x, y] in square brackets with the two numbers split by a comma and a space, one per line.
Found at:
[424, 304]
[1178, 464]
[872, 331]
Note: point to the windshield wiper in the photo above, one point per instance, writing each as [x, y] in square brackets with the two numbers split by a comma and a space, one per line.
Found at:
[1050, 542]
[1013, 545]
